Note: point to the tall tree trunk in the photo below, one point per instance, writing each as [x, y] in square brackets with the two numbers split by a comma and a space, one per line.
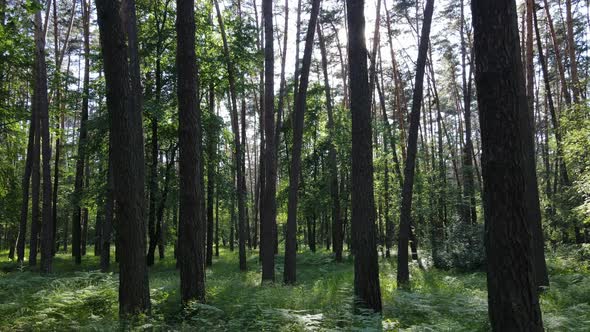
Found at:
[238, 154]
[290, 267]
[469, 208]
[191, 223]
[366, 267]
[403, 273]
[571, 50]
[81, 158]
[558, 56]
[47, 236]
[333, 167]
[268, 207]
[118, 36]
[504, 123]
[211, 150]
[22, 230]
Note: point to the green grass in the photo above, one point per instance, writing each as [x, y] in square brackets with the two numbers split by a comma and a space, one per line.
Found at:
[81, 298]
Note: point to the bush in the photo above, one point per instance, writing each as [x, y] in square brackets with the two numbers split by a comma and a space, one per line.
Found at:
[463, 248]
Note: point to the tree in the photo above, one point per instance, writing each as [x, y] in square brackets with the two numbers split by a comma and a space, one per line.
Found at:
[499, 76]
[121, 68]
[295, 167]
[337, 235]
[366, 268]
[403, 273]
[268, 199]
[238, 152]
[191, 223]
[81, 158]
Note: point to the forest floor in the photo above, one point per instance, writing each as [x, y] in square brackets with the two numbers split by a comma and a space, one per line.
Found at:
[82, 298]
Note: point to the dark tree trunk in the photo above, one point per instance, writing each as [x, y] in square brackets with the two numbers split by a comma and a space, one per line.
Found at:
[119, 51]
[469, 208]
[22, 230]
[403, 273]
[191, 224]
[36, 177]
[43, 112]
[504, 123]
[211, 151]
[81, 158]
[366, 267]
[269, 163]
[107, 223]
[290, 268]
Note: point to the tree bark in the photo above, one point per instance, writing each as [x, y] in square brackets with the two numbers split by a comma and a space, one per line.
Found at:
[191, 224]
[366, 267]
[119, 49]
[238, 154]
[505, 128]
[403, 273]
[290, 266]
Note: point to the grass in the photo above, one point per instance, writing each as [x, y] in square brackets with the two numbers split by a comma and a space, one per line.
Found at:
[81, 298]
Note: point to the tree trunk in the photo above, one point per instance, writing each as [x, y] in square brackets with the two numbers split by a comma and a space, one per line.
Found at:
[238, 154]
[107, 223]
[211, 149]
[268, 207]
[469, 208]
[403, 273]
[504, 123]
[366, 267]
[290, 267]
[22, 230]
[191, 223]
[81, 158]
[119, 49]
[333, 167]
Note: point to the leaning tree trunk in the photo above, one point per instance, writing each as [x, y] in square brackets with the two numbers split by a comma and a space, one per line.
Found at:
[505, 127]
[290, 268]
[403, 273]
[121, 68]
[366, 267]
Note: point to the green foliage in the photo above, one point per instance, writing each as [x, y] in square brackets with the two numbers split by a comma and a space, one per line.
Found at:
[321, 300]
[463, 248]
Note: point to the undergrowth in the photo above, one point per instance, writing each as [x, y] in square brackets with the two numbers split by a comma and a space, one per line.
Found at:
[81, 298]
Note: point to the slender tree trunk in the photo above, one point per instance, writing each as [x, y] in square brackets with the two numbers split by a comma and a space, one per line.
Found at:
[571, 50]
[290, 267]
[470, 212]
[366, 267]
[504, 122]
[211, 149]
[238, 154]
[403, 273]
[119, 49]
[333, 167]
[107, 223]
[22, 230]
[268, 200]
[81, 158]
